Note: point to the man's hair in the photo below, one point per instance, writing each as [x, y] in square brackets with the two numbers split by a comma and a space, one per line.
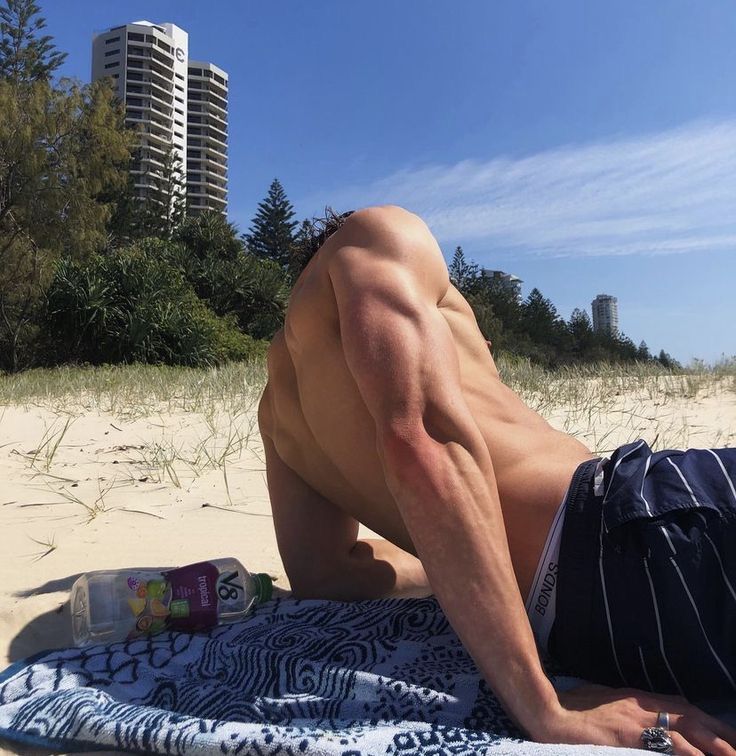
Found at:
[321, 230]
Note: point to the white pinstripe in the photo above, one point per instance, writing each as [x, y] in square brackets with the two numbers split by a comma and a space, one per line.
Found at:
[608, 611]
[646, 504]
[613, 475]
[725, 474]
[700, 622]
[644, 667]
[669, 540]
[641, 493]
[685, 483]
[659, 627]
[618, 462]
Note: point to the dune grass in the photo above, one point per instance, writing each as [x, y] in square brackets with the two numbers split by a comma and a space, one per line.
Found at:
[132, 391]
[604, 405]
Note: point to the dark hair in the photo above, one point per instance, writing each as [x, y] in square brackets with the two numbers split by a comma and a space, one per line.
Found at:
[316, 232]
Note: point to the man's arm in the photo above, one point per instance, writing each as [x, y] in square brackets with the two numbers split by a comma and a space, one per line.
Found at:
[388, 279]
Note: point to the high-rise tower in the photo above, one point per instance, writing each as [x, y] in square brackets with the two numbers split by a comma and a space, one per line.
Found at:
[605, 314]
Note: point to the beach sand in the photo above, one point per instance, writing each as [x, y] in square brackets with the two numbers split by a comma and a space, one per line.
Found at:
[84, 488]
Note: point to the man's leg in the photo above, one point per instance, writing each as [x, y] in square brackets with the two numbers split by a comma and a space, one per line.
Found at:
[318, 541]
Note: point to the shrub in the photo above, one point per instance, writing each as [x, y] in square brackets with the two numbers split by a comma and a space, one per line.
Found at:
[136, 306]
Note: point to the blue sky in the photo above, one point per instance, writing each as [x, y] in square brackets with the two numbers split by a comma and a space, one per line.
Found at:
[587, 147]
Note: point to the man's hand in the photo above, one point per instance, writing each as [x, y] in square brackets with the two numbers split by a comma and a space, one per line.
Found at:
[599, 715]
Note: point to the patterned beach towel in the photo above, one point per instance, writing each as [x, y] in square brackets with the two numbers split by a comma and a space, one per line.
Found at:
[296, 677]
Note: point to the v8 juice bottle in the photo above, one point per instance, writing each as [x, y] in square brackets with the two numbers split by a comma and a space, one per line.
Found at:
[117, 605]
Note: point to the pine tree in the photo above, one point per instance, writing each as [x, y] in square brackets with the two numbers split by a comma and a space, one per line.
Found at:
[642, 353]
[272, 234]
[582, 337]
[463, 274]
[24, 56]
[164, 206]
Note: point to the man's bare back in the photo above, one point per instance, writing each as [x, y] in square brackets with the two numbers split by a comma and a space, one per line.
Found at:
[384, 407]
[323, 431]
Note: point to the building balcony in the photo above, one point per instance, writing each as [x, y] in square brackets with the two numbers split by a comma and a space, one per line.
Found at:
[208, 187]
[153, 74]
[155, 114]
[202, 165]
[206, 200]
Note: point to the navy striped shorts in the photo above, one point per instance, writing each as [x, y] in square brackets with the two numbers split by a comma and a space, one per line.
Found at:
[646, 595]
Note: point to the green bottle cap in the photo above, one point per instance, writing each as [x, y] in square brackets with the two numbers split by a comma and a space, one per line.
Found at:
[264, 587]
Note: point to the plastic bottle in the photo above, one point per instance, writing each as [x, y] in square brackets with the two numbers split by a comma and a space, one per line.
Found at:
[117, 605]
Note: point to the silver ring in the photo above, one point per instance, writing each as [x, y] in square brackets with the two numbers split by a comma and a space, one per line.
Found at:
[656, 739]
[663, 720]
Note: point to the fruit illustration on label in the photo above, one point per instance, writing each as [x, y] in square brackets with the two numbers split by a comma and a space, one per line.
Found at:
[144, 623]
[137, 605]
[141, 592]
[156, 588]
[158, 608]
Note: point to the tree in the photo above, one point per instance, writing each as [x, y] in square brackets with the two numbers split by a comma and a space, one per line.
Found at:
[642, 353]
[232, 281]
[163, 208]
[667, 361]
[60, 151]
[463, 274]
[271, 234]
[124, 223]
[581, 332]
[539, 317]
[209, 235]
[24, 56]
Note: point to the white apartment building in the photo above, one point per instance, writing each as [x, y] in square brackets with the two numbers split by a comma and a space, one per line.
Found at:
[605, 314]
[206, 137]
[150, 66]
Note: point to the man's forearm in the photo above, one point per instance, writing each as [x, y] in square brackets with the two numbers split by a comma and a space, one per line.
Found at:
[449, 502]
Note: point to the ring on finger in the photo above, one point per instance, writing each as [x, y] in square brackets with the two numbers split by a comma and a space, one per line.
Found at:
[663, 720]
[656, 739]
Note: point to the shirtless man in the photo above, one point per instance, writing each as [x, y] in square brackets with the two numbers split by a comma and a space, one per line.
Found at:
[384, 407]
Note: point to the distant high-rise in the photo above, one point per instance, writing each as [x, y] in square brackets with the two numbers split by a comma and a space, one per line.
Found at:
[177, 104]
[605, 314]
[506, 281]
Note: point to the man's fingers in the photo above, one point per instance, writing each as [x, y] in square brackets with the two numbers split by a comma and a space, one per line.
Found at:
[682, 746]
[706, 729]
[708, 742]
[701, 731]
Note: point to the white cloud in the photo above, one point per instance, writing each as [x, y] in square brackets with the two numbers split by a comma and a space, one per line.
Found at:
[656, 194]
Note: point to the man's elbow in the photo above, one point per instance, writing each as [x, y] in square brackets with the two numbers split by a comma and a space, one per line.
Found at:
[405, 450]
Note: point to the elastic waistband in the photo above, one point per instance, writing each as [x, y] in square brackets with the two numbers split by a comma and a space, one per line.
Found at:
[578, 547]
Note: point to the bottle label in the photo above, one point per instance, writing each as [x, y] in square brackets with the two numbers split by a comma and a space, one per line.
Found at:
[182, 599]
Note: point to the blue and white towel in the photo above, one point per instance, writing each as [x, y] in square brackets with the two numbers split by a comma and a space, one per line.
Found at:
[297, 677]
